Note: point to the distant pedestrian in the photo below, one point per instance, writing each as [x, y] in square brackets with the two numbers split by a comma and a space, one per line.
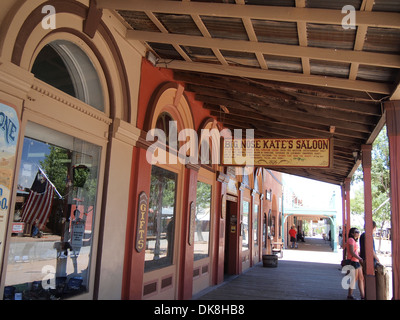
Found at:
[293, 233]
[340, 237]
[352, 249]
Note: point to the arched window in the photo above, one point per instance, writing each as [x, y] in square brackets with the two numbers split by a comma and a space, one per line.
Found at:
[66, 67]
[256, 181]
[167, 124]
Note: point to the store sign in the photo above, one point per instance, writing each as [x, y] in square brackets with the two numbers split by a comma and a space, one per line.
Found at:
[311, 153]
[78, 232]
[9, 130]
[141, 222]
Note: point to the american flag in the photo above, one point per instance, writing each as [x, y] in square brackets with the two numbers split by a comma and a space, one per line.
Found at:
[38, 206]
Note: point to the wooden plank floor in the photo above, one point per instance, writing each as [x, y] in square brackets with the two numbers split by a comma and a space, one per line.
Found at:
[311, 272]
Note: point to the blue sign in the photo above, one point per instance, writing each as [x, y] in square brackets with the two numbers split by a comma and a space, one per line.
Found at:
[9, 130]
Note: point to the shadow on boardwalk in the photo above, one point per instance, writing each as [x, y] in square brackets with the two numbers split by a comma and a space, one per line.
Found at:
[311, 272]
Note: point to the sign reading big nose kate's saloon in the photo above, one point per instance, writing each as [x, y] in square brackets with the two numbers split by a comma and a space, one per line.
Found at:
[307, 153]
[9, 130]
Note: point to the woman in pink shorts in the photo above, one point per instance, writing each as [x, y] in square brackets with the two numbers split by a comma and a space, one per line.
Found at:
[353, 254]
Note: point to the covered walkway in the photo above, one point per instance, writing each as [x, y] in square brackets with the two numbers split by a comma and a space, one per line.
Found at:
[311, 272]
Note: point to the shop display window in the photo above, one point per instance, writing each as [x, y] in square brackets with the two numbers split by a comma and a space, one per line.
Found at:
[161, 219]
[255, 225]
[202, 221]
[245, 225]
[50, 248]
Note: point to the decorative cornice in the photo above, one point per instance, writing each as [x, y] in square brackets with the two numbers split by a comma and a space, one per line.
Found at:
[193, 166]
[125, 132]
[15, 77]
[44, 89]
[222, 177]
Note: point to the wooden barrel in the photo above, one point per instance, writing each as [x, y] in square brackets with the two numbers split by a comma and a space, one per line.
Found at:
[270, 260]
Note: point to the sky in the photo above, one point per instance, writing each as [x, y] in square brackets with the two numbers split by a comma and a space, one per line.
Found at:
[315, 194]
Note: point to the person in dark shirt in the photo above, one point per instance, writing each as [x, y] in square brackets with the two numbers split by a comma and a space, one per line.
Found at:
[362, 245]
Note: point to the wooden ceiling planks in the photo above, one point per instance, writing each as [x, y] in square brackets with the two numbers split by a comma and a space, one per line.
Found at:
[286, 68]
[290, 113]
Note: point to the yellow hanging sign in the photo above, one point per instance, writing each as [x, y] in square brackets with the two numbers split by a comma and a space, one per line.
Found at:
[309, 153]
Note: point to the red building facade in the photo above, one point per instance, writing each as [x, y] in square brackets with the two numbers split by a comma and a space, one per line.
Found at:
[230, 230]
[83, 102]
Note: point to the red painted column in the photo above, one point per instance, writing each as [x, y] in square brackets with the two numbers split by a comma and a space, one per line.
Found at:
[344, 229]
[134, 261]
[187, 250]
[347, 190]
[219, 238]
[370, 284]
[393, 128]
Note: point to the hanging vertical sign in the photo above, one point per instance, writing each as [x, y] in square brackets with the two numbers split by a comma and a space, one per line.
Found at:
[223, 206]
[141, 222]
[9, 130]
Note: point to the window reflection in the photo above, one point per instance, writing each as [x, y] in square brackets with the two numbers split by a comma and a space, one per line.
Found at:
[202, 227]
[245, 226]
[161, 218]
[66, 67]
[255, 225]
[49, 253]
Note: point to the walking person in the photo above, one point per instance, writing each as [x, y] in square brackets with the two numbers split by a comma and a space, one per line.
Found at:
[353, 254]
[293, 238]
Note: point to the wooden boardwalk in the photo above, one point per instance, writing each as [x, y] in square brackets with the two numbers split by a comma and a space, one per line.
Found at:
[311, 272]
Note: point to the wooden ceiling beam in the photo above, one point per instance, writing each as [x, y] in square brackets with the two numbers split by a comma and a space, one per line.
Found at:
[293, 106]
[275, 13]
[274, 75]
[295, 125]
[269, 91]
[248, 25]
[243, 123]
[281, 89]
[360, 38]
[280, 113]
[395, 95]
[303, 41]
[285, 50]
[163, 30]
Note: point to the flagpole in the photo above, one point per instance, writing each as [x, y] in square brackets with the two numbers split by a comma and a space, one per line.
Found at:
[55, 189]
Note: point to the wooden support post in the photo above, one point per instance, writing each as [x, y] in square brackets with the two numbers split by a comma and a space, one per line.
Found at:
[344, 229]
[343, 215]
[393, 129]
[134, 259]
[187, 233]
[370, 285]
[347, 190]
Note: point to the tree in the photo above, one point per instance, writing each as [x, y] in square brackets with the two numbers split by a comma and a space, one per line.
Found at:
[380, 182]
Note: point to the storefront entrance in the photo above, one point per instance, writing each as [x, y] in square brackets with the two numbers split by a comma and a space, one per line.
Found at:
[231, 261]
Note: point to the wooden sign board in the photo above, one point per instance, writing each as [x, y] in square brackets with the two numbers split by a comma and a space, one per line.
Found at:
[141, 228]
[307, 153]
